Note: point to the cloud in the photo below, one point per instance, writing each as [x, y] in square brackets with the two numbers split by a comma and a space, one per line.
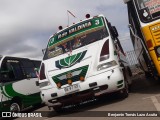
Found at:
[26, 25]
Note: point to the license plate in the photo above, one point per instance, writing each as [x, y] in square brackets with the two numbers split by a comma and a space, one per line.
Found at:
[71, 88]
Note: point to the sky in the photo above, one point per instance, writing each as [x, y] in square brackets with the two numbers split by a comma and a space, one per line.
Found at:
[26, 25]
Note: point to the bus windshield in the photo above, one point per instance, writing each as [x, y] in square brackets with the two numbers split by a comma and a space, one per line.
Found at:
[148, 10]
[76, 36]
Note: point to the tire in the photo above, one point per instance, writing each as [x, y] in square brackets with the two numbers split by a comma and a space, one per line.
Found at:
[124, 92]
[15, 107]
[129, 71]
[37, 105]
[58, 109]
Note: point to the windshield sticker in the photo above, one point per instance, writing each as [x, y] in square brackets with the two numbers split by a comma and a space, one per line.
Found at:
[149, 9]
[70, 60]
[153, 5]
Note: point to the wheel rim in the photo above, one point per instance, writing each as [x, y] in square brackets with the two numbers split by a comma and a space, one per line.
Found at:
[15, 107]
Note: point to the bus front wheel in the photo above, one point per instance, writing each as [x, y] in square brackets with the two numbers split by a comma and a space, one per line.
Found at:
[15, 107]
[124, 92]
[58, 109]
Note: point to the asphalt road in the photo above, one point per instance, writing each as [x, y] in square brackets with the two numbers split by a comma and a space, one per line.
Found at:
[144, 96]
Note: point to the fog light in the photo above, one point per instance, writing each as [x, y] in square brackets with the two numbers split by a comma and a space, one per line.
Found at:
[158, 50]
[81, 78]
[93, 84]
[59, 85]
[69, 81]
[53, 94]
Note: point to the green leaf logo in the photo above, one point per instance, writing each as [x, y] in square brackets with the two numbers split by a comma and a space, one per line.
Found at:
[70, 60]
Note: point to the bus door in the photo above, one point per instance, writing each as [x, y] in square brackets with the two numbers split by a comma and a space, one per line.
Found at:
[19, 79]
[30, 81]
[8, 75]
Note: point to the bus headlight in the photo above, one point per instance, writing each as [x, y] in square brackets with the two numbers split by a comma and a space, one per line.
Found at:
[157, 50]
[44, 84]
[106, 65]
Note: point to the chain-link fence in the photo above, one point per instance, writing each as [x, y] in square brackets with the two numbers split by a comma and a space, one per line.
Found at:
[132, 58]
[133, 63]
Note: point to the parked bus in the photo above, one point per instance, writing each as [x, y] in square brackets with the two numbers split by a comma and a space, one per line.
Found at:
[18, 88]
[83, 61]
[144, 24]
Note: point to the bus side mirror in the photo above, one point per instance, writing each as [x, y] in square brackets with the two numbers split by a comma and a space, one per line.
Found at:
[43, 51]
[115, 42]
[36, 69]
[114, 32]
[37, 73]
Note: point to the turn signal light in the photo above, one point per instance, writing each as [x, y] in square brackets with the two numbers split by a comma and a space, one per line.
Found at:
[81, 78]
[69, 81]
[149, 43]
[59, 85]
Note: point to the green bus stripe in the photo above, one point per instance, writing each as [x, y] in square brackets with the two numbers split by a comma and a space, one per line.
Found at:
[94, 26]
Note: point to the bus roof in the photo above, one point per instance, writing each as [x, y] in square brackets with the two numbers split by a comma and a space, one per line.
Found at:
[72, 30]
[19, 57]
[101, 15]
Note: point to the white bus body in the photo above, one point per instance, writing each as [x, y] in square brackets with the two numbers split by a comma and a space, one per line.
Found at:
[70, 74]
[18, 88]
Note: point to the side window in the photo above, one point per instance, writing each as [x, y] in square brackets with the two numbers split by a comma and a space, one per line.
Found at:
[28, 68]
[11, 70]
[37, 64]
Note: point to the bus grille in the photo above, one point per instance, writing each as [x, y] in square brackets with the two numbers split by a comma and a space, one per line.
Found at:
[156, 33]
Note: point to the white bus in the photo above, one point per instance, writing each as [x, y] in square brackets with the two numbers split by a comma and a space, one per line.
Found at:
[83, 61]
[18, 88]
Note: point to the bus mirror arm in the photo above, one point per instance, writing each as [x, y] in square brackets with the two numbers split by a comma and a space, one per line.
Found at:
[44, 50]
[114, 31]
[132, 32]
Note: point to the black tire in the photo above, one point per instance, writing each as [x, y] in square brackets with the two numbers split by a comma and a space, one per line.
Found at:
[129, 71]
[124, 92]
[37, 105]
[148, 75]
[15, 107]
[58, 109]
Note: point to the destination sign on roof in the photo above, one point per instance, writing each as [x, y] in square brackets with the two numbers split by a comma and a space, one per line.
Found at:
[153, 5]
[76, 29]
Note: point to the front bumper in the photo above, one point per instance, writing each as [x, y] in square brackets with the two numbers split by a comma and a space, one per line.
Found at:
[94, 86]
